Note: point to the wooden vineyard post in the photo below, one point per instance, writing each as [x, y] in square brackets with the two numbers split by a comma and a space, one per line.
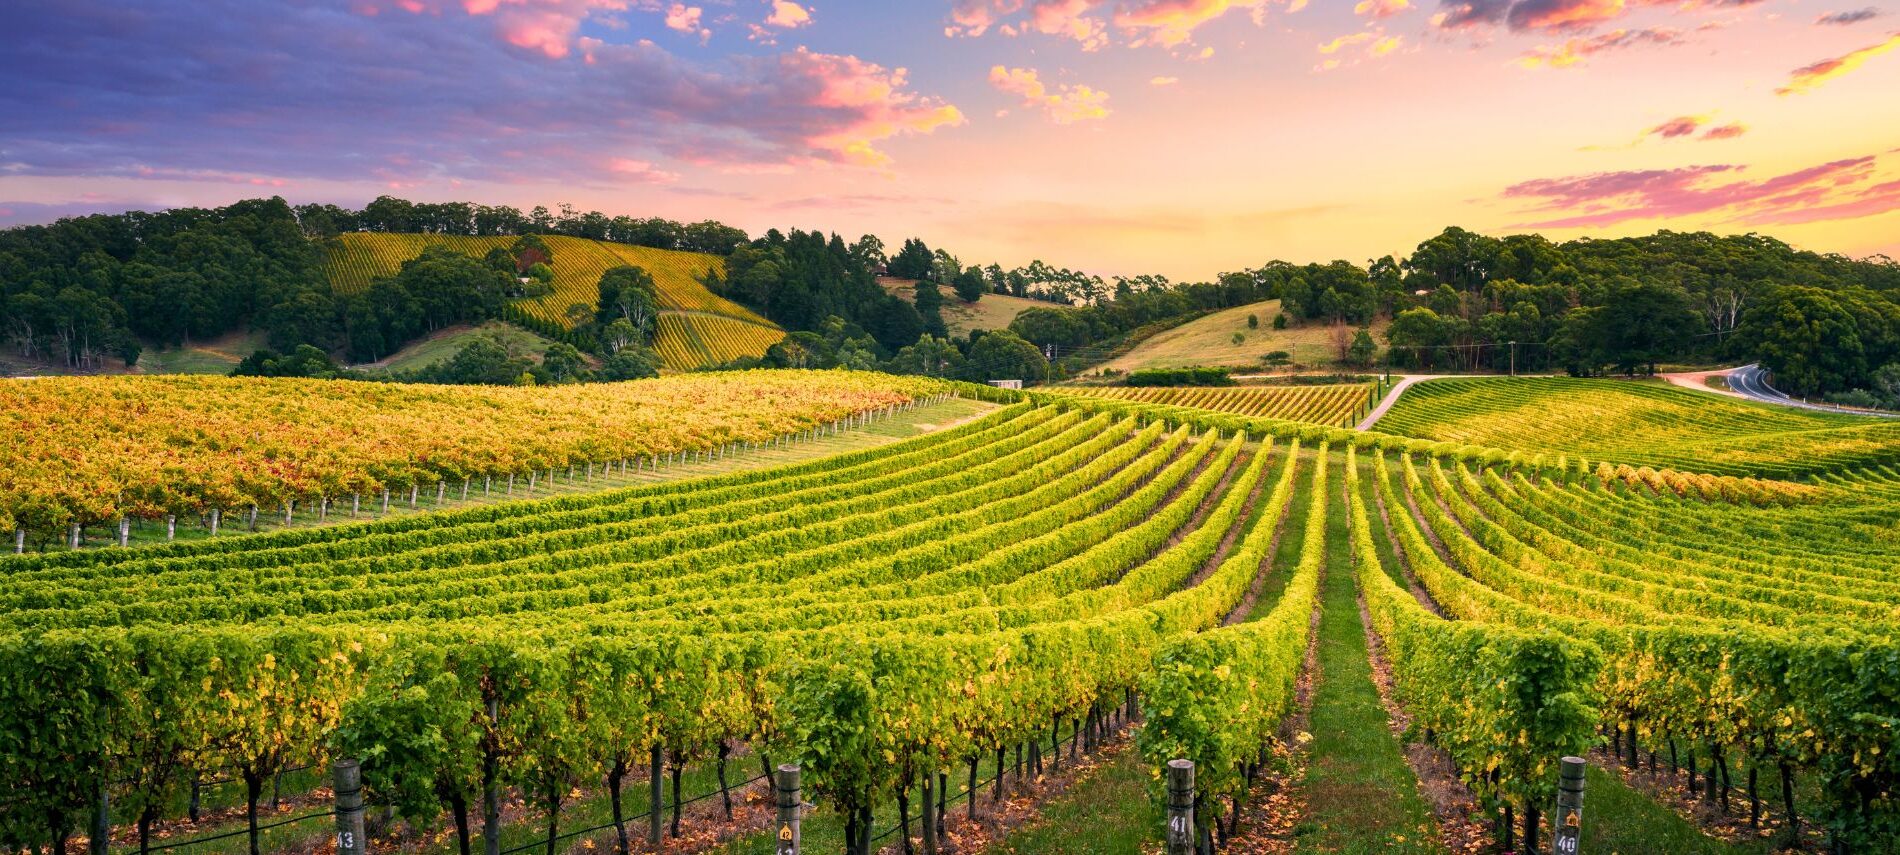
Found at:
[655, 800]
[1567, 824]
[1180, 807]
[350, 839]
[786, 783]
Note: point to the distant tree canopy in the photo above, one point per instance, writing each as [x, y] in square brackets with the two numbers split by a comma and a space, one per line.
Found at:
[85, 289]
[389, 214]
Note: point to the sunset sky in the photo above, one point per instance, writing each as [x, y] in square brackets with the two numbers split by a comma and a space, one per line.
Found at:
[1182, 137]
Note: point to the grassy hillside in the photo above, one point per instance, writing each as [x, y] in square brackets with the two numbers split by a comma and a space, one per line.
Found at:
[1641, 423]
[993, 312]
[438, 347]
[1210, 341]
[353, 260]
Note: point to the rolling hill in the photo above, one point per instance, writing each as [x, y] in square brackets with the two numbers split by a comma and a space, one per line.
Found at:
[697, 329]
[1210, 341]
[993, 312]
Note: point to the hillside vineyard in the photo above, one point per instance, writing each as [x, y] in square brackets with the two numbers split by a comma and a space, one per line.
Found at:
[921, 606]
[106, 450]
[696, 328]
[1336, 404]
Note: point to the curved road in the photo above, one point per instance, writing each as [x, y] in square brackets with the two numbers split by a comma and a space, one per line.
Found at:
[1751, 381]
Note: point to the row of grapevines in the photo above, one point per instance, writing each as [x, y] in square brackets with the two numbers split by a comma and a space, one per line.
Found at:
[1788, 663]
[1060, 621]
[1642, 424]
[1327, 405]
[89, 450]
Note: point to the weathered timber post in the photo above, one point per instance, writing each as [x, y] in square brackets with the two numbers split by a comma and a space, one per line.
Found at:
[215, 514]
[1567, 822]
[1180, 807]
[101, 837]
[73, 536]
[350, 839]
[288, 505]
[125, 530]
[789, 808]
[19, 540]
[655, 799]
[441, 489]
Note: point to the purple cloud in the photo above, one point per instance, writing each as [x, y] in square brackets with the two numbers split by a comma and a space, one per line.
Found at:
[254, 92]
[1840, 189]
[1851, 17]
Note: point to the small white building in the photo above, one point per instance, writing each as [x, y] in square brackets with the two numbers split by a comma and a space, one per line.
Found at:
[1007, 384]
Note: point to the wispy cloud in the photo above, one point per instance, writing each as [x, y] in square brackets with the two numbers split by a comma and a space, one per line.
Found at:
[1559, 16]
[1812, 76]
[1576, 51]
[1095, 24]
[1850, 17]
[1840, 189]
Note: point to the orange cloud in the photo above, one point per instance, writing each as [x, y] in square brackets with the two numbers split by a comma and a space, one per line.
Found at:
[1171, 22]
[1067, 105]
[1725, 132]
[1163, 81]
[1809, 77]
[685, 19]
[788, 15]
[873, 96]
[1343, 42]
[1377, 9]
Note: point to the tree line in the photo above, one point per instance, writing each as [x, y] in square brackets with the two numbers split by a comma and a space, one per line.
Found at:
[87, 289]
[1468, 302]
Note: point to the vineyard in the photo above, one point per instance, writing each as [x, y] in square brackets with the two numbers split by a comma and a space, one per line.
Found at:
[1339, 404]
[1642, 424]
[697, 327]
[909, 615]
[92, 451]
[692, 340]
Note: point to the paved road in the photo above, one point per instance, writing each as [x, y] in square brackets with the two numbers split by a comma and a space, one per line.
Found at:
[1392, 397]
[1751, 381]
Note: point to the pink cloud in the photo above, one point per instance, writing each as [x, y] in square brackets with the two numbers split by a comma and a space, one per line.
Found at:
[547, 26]
[640, 170]
[1064, 106]
[1725, 132]
[872, 103]
[1840, 189]
[1095, 23]
[1380, 9]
